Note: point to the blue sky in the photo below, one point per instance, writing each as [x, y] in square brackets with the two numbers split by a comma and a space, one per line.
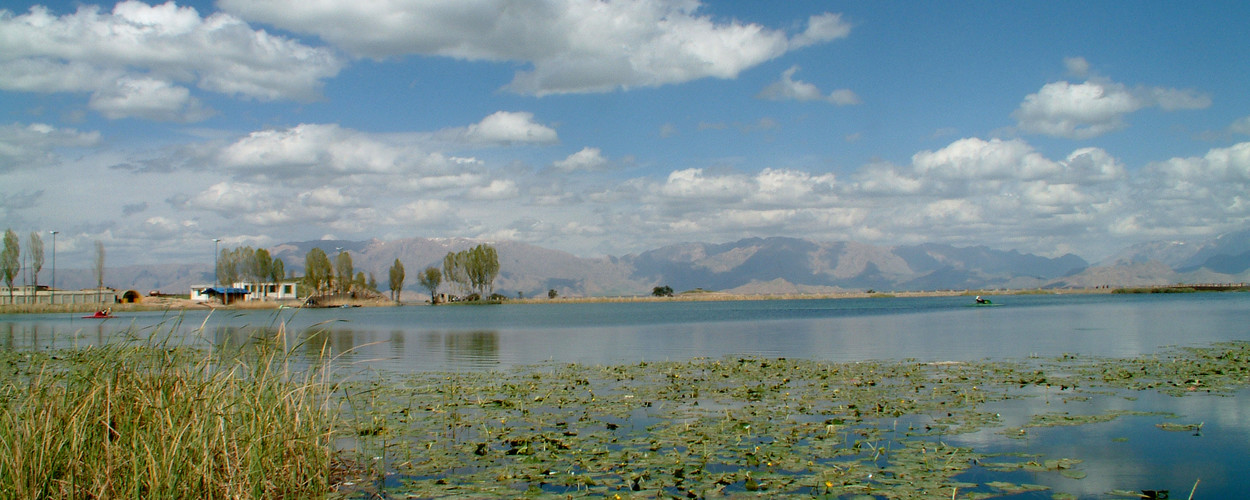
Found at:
[605, 128]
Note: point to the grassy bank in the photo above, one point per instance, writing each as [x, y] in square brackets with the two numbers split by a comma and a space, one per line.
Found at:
[149, 419]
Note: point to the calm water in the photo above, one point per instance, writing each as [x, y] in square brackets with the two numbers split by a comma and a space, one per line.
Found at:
[493, 337]
[1128, 453]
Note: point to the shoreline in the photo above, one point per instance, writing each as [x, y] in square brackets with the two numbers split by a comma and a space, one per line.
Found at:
[698, 296]
[168, 303]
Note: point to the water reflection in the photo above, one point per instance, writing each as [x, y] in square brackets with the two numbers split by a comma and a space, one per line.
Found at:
[476, 348]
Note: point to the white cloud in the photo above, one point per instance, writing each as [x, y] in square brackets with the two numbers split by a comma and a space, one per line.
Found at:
[35, 145]
[976, 160]
[498, 189]
[1077, 66]
[788, 89]
[1078, 111]
[570, 46]
[508, 127]
[691, 184]
[232, 198]
[588, 159]
[139, 59]
[1095, 107]
[156, 100]
[422, 212]
[822, 28]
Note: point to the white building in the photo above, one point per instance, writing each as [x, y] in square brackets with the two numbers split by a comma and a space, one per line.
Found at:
[287, 290]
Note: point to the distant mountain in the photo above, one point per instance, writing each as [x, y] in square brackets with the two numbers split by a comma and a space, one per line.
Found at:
[755, 265]
[752, 265]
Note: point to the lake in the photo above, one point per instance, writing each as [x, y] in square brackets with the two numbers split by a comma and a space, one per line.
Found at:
[1129, 452]
[422, 338]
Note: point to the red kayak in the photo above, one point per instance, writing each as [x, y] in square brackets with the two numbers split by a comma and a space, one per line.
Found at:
[100, 315]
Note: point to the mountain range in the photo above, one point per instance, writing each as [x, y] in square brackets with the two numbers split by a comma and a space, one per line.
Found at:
[748, 266]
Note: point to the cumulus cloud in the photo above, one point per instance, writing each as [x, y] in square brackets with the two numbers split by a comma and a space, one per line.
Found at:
[507, 127]
[587, 160]
[969, 192]
[788, 89]
[138, 60]
[156, 100]
[1096, 106]
[569, 46]
[35, 145]
[318, 152]
[498, 189]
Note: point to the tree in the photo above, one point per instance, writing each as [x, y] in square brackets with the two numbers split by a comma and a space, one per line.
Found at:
[10, 260]
[261, 268]
[552, 293]
[277, 271]
[233, 265]
[429, 279]
[474, 269]
[483, 267]
[343, 271]
[397, 279]
[317, 271]
[99, 264]
[662, 291]
[455, 269]
[36, 257]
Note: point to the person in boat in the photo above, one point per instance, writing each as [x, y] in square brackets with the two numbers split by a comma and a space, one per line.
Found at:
[982, 301]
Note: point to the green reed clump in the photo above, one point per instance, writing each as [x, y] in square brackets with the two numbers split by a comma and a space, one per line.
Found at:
[137, 419]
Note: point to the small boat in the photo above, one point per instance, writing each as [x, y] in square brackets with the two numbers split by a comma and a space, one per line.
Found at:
[102, 314]
[983, 302]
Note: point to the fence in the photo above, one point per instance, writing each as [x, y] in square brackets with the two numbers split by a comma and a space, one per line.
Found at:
[42, 295]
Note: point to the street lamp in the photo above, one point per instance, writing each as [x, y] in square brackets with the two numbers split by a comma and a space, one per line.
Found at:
[216, 257]
[53, 290]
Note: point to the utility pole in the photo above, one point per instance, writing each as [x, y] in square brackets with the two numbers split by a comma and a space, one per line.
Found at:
[216, 260]
[53, 290]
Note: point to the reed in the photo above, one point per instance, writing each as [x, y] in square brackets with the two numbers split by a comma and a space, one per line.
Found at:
[150, 419]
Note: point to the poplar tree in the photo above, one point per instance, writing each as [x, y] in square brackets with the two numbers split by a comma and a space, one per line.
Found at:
[343, 271]
[36, 257]
[10, 263]
[317, 270]
[397, 279]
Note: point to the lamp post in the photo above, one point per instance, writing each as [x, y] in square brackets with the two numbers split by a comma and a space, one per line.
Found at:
[52, 299]
[216, 258]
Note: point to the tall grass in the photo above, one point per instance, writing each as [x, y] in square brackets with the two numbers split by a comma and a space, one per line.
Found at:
[148, 419]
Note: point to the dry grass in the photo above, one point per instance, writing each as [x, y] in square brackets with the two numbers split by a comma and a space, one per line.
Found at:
[145, 419]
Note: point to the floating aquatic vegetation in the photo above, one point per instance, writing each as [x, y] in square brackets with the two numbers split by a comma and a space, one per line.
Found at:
[736, 426]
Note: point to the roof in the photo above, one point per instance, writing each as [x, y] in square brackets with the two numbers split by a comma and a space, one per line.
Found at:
[226, 290]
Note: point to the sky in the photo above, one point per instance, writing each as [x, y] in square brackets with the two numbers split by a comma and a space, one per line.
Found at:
[613, 127]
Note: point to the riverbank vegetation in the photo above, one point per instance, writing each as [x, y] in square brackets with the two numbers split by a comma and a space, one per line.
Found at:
[150, 419]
